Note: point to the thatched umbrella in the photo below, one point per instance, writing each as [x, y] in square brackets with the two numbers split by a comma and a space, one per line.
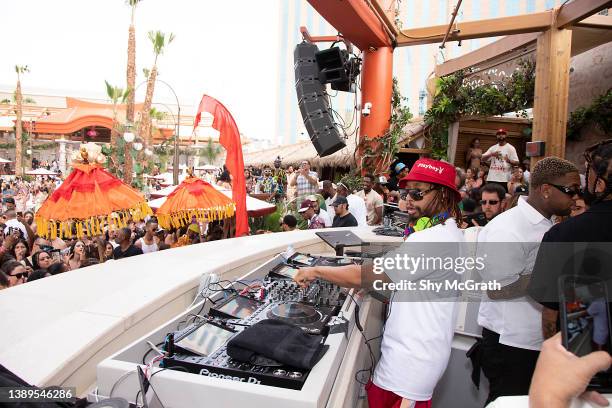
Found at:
[194, 197]
[89, 199]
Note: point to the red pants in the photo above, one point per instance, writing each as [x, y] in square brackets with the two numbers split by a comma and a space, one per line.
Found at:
[379, 398]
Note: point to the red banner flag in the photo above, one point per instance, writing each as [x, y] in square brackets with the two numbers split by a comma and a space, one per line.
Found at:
[229, 137]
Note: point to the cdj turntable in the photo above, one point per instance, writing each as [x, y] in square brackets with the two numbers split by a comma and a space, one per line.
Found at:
[201, 347]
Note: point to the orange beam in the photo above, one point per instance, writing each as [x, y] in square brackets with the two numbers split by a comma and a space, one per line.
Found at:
[376, 88]
[355, 20]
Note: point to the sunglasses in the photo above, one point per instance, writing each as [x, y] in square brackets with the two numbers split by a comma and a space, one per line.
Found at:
[570, 191]
[20, 275]
[415, 193]
[490, 202]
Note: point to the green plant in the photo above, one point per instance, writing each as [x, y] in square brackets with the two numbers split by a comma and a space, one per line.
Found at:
[598, 113]
[353, 181]
[211, 151]
[456, 96]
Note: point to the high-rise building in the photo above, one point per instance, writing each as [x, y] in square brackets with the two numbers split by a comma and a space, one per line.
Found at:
[411, 66]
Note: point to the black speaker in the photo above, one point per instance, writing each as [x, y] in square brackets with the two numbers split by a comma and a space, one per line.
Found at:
[313, 101]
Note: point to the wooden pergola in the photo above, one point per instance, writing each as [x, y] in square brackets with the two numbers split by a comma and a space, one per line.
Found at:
[369, 25]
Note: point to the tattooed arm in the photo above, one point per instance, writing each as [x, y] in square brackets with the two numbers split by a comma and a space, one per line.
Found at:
[514, 290]
[549, 322]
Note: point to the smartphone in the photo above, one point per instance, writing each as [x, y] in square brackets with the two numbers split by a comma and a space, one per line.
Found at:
[585, 321]
[480, 219]
[55, 255]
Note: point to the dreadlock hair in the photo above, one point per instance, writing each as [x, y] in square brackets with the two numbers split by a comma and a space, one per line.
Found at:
[599, 158]
[447, 200]
[550, 169]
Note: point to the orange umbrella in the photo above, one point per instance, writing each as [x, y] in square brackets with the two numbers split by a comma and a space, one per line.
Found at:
[89, 199]
[194, 198]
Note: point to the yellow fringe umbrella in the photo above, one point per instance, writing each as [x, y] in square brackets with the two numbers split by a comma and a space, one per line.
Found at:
[88, 200]
[194, 198]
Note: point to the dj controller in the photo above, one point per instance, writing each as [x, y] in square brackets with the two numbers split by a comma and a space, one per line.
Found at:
[200, 348]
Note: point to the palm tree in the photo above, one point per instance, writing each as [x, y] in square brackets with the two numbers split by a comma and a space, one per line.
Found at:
[211, 152]
[118, 95]
[131, 61]
[19, 69]
[27, 100]
[159, 41]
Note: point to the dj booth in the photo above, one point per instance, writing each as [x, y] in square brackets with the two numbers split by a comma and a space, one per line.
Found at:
[196, 367]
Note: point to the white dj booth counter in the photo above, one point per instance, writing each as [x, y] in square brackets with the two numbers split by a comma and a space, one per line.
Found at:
[56, 330]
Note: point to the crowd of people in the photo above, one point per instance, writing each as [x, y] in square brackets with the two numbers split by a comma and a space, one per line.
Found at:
[499, 197]
[555, 204]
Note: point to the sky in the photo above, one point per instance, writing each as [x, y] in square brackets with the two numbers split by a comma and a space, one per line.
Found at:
[227, 49]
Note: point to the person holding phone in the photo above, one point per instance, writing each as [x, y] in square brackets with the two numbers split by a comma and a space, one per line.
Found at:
[561, 376]
[593, 226]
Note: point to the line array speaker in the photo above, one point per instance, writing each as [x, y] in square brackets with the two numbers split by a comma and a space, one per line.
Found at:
[314, 102]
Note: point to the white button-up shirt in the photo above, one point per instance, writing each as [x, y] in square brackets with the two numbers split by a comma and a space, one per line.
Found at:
[509, 244]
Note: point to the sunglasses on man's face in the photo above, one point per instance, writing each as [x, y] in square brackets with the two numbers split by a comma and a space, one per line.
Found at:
[414, 193]
[489, 202]
[21, 275]
[570, 191]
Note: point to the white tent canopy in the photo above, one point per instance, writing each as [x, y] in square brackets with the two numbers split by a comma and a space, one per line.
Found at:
[5, 161]
[41, 172]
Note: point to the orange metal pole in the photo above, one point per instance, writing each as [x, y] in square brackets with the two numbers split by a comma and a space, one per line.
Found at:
[376, 89]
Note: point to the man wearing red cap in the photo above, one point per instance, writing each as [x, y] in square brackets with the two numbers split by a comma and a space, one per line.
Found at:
[501, 157]
[416, 341]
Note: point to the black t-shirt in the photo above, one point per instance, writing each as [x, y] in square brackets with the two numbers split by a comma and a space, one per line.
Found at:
[578, 246]
[347, 221]
[392, 183]
[131, 251]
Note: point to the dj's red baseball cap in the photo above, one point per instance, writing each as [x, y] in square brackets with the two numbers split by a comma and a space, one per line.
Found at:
[432, 171]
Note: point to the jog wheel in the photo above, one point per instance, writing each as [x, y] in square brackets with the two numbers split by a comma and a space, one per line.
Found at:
[294, 312]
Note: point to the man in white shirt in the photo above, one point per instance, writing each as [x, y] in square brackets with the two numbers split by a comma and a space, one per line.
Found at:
[373, 201]
[357, 205]
[501, 157]
[416, 341]
[511, 321]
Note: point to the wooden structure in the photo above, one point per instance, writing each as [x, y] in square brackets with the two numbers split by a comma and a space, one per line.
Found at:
[369, 25]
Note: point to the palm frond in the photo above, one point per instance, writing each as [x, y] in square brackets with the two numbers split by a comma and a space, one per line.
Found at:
[110, 91]
[125, 94]
[159, 40]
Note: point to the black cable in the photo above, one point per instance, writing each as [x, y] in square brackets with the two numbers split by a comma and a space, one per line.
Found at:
[136, 400]
[366, 342]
